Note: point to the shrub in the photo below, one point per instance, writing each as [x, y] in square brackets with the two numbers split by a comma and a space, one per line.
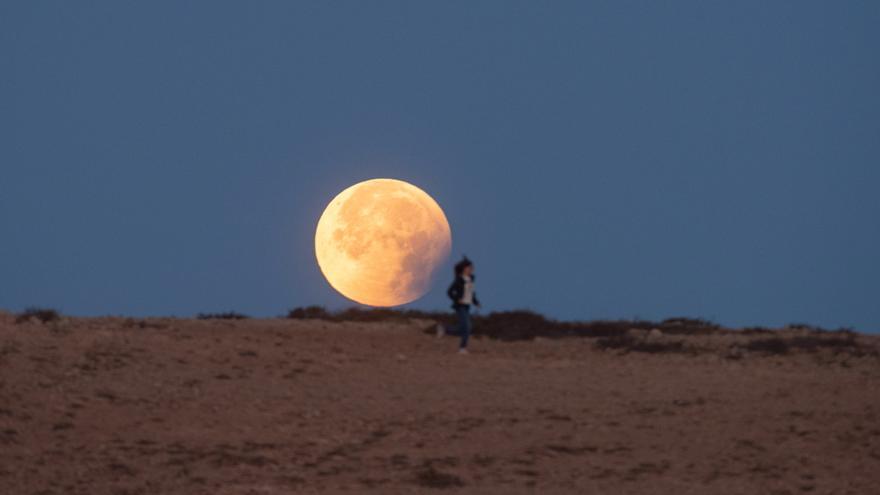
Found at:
[629, 343]
[839, 343]
[229, 315]
[364, 314]
[309, 313]
[802, 326]
[44, 315]
[515, 325]
[773, 345]
[368, 314]
[688, 326]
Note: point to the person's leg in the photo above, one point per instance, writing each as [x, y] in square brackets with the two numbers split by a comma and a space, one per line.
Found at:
[464, 325]
[453, 327]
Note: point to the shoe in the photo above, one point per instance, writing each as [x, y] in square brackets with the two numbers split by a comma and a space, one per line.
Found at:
[463, 351]
[441, 330]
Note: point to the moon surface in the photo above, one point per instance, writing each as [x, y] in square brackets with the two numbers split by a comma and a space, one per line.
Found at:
[379, 242]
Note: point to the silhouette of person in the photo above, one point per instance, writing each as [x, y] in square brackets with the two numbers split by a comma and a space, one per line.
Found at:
[463, 297]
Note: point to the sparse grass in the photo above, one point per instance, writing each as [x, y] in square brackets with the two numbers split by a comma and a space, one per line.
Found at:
[629, 343]
[229, 315]
[837, 342]
[44, 315]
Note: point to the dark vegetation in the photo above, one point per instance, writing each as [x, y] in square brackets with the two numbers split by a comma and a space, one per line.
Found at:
[630, 343]
[364, 314]
[44, 315]
[623, 336]
[518, 324]
[839, 342]
[229, 315]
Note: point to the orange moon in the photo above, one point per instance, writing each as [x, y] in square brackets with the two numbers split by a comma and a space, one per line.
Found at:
[379, 242]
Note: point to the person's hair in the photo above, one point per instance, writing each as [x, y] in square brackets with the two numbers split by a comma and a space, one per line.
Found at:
[461, 265]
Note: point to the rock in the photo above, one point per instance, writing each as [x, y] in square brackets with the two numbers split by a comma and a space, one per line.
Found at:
[655, 333]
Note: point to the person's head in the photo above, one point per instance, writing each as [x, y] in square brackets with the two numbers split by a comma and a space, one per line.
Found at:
[464, 267]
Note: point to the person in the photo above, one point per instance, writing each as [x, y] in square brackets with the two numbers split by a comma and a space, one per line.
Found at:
[463, 297]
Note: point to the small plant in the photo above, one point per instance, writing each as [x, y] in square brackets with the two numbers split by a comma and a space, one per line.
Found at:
[629, 343]
[801, 326]
[44, 315]
[359, 314]
[839, 343]
[309, 313]
[370, 314]
[772, 346]
[229, 315]
[688, 326]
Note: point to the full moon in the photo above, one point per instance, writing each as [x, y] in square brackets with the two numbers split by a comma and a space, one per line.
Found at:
[379, 242]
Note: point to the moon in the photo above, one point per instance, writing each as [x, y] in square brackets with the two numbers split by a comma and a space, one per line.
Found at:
[380, 241]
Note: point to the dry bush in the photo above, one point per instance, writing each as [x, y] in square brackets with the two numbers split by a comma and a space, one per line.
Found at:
[521, 325]
[629, 343]
[839, 342]
[363, 314]
[516, 325]
[524, 325]
[688, 326]
[229, 315]
[513, 325]
[44, 315]
[309, 313]
[772, 345]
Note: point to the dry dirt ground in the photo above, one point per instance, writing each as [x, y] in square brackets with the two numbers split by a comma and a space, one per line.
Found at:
[168, 406]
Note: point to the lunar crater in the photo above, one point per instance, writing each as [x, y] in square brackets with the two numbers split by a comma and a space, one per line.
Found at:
[380, 241]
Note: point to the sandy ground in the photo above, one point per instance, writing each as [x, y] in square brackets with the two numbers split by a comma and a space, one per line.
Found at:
[164, 406]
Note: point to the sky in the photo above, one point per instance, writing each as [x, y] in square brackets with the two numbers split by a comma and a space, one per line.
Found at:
[595, 159]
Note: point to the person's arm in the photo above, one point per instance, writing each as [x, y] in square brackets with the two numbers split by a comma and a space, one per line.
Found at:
[455, 290]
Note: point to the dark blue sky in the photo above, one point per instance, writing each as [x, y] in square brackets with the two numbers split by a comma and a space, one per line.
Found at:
[597, 160]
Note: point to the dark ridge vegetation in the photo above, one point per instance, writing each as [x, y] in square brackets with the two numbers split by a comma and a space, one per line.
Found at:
[839, 342]
[229, 315]
[44, 315]
[309, 313]
[364, 314]
[801, 326]
[688, 326]
[527, 325]
[524, 325]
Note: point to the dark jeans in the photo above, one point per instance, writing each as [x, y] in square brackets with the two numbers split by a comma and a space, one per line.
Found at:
[463, 311]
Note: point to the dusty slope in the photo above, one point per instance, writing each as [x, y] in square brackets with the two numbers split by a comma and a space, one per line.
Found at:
[114, 406]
